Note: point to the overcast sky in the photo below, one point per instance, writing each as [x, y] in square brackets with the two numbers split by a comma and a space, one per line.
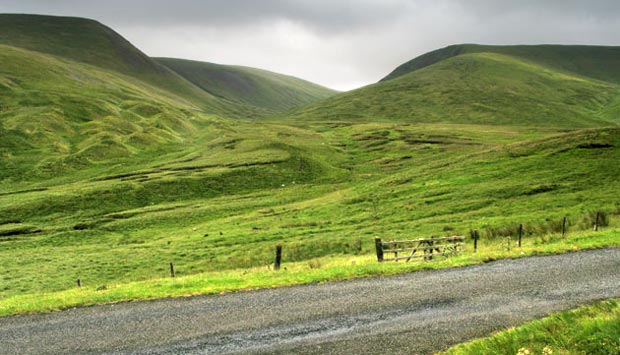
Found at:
[342, 44]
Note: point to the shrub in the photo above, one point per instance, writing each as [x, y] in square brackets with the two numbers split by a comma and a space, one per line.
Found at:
[603, 219]
[314, 264]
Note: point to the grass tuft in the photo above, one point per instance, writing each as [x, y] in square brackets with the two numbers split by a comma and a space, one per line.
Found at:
[592, 329]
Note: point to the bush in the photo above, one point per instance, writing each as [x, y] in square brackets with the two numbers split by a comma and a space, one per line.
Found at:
[603, 219]
[314, 264]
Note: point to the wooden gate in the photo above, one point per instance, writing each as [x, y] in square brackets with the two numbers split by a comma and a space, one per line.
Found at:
[428, 247]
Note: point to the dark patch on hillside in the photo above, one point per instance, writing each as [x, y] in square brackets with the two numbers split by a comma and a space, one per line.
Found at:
[539, 189]
[39, 189]
[594, 146]
[19, 230]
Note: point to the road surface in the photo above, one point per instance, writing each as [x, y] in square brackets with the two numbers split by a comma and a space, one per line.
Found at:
[416, 313]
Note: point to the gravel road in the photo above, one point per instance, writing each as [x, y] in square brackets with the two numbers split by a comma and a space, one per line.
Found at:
[416, 313]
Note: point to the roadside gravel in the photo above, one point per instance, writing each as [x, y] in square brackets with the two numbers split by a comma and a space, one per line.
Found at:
[416, 313]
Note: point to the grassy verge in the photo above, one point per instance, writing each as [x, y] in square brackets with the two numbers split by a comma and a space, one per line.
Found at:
[315, 270]
[592, 330]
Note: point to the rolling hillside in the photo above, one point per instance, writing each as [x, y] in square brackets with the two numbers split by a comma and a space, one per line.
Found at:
[113, 165]
[59, 115]
[319, 195]
[484, 88]
[595, 62]
[90, 42]
[82, 40]
[255, 87]
[74, 94]
[231, 91]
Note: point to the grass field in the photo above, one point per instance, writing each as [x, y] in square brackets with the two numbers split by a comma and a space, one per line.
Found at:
[212, 213]
[592, 330]
[329, 268]
[108, 177]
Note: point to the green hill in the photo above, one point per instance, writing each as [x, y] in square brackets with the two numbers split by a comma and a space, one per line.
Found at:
[256, 87]
[484, 88]
[75, 94]
[90, 42]
[57, 115]
[78, 39]
[112, 165]
[596, 62]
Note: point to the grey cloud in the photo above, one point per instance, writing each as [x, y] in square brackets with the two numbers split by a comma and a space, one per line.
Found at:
[555, 8]
[320, 15]
[340, 44]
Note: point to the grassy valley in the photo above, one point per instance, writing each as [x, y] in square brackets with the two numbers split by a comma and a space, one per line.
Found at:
[114, 164]
[208, 212]
[243, 94]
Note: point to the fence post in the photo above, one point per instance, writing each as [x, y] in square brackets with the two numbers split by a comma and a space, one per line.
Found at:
[379, 248]
[563, 226]
[79, 283]
[395, 246]
[431, 243]
[520, 234]
[172, 270]
[276, 265]
[474, 234]
[598, 215]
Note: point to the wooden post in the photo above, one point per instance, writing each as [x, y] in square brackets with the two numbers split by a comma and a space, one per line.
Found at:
[172, 270]
[276, 265]
[475, 236]
[379, 247]
[395, 246]
[79, 283]
[563, 226]
[598, 216]
[431, 243]
[520, 234]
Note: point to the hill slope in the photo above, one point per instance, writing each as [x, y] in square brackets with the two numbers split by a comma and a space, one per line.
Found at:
[484, 88]
[78, 39]
[109, 177]
[266, 185]
[57, 114]
[596, 62]
[249, 86]
[90, 42]
[74, 94]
